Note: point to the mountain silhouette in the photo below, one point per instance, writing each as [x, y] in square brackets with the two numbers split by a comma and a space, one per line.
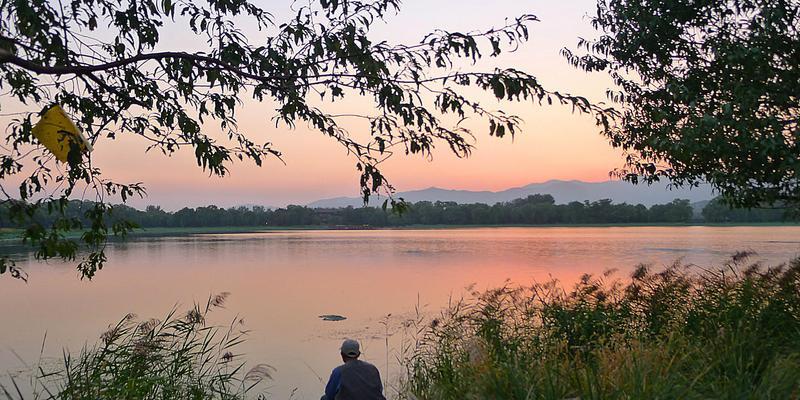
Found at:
[562, 192]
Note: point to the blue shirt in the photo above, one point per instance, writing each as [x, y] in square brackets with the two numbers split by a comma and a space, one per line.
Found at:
[334, 382]
[355, 380]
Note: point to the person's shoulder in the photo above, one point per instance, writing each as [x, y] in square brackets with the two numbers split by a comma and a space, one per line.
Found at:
[367, 364]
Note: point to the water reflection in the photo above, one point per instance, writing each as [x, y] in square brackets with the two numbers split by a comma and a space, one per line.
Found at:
[282, 281]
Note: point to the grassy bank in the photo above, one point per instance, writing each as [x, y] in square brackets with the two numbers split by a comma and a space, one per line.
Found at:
[183, 356]
[10, 234]
[165, 231]
[682, 333]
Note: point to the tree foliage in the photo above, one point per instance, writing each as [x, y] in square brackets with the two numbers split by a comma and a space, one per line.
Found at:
[707, 90]
[103, 61]
[718, 211]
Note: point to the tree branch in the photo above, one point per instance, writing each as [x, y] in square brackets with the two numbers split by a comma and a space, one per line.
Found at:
[7, 57]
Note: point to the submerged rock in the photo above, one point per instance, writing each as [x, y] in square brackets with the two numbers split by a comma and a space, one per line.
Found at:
[332, 317]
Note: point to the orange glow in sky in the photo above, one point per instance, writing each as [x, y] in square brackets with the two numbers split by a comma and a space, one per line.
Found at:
[553, 143]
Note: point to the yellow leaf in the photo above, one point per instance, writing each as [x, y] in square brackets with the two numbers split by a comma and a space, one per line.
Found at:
[56, 132]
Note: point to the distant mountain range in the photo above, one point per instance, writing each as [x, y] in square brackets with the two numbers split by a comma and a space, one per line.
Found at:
[562, 192]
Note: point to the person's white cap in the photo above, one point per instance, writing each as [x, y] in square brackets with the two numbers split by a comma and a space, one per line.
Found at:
[351, 348]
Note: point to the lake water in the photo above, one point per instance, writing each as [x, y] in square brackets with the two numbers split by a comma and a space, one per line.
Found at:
[280, 282]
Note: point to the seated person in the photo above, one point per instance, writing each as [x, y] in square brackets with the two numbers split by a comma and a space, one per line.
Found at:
[355, 379]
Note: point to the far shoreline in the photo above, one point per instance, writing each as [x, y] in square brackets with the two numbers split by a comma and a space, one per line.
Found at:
[9, 234]
[277, 229]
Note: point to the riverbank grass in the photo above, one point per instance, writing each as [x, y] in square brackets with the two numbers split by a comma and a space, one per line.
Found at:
[682, 333]
[183, 356]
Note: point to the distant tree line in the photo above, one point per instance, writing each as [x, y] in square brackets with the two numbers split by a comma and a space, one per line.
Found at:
[535, 209]
[717, 211]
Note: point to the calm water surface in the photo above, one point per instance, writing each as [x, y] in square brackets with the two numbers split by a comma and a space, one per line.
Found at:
[281, 281]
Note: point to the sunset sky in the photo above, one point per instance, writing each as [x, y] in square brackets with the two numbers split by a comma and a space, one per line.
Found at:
[554, 142]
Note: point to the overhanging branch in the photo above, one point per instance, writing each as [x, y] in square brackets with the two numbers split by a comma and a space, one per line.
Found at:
[8, 57]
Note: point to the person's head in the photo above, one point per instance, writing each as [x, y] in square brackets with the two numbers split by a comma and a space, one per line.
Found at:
[350, 350]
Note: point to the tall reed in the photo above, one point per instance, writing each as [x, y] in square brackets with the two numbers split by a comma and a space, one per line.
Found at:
[680, 333]
[180, 357]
